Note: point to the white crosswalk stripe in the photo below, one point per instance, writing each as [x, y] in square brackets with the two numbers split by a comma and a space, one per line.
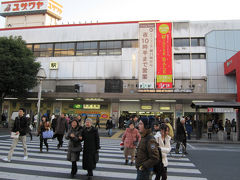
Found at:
[53, 164]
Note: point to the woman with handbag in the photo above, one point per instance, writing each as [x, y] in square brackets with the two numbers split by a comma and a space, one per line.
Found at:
[74, 145]
[163, 139]
[44, 126]
[131, 138]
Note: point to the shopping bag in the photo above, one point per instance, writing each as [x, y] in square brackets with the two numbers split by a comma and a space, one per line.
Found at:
[47, 134]
[14, 135]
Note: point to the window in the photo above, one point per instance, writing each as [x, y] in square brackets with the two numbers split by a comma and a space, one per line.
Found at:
[113, 86]
[181, 56]
[29, 46]
[181, 42]
[87, 49]
[187, 56]
[64, 49]
[110, 48]
[130, 44]
[43, 50]
[197, 42]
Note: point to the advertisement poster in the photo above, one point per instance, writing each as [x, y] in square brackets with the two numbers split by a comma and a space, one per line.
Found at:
[164, 56]
[146, 55]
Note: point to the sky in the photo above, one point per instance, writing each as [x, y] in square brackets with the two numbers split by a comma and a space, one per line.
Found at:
[75, 11]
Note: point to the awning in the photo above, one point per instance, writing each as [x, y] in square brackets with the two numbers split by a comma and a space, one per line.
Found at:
[234, 105]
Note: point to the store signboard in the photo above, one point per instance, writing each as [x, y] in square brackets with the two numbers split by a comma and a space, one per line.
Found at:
[77, 106]
[220, 110]
[146, 107]
[91, 106]
[164, 55]
[146, 55]
[24, 7]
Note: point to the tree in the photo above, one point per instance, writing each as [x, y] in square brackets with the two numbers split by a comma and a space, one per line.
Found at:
[18, 68]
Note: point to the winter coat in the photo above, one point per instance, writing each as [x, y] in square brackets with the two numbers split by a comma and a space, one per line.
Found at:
[74, 144]
[188, 126]
[129, 136]
[44, 127]
[21, 125]
[62, 126]
[181, 132]
[228, 127]
[90, 149]
[147, 151]
[109, 124]
[171, 133]
[165, 148]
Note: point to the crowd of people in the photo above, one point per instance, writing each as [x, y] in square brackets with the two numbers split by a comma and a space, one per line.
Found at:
[76, 131]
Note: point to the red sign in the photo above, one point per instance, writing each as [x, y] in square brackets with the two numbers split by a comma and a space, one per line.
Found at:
[164, 55]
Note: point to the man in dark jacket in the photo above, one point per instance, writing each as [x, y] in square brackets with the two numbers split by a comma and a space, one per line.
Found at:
[60, 129]
[20, 127]
[147, 151]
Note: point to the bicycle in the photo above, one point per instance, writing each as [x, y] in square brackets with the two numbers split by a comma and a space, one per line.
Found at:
[180, 153]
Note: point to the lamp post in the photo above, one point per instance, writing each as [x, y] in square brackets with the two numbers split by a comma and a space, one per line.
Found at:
[41, 75]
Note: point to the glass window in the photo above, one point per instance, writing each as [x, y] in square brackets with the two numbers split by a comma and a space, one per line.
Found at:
[130, 44]
[199, 56]
[43, 50]
[198, 42]
[181, 42]
[194, 42]
[181, 56]
[64, 49]
[103, 45]
[29, 46]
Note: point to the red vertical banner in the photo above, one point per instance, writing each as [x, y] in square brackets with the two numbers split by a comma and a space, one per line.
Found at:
[164, 55]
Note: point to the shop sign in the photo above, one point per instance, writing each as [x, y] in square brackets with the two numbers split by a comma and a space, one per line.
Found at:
[146, 107]
[146, 55]
[53, 65]
[220, 110]
[12, 8]
[77, 106]
[164, 55]
[165, 108]
[91, 106]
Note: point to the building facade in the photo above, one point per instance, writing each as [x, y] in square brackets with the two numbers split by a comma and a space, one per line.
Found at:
[94, 69]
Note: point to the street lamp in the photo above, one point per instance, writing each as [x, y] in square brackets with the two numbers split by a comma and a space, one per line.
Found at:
[41, 75]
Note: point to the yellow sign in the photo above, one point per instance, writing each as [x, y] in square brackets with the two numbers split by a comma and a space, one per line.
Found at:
[91, 106]
[53, 65]
[164, 78]
[146, 107]
[165, 108]
[164, 29]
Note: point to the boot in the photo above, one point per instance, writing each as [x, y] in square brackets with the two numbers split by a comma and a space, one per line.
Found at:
[126, 161]
[47, 148]
[40, 150]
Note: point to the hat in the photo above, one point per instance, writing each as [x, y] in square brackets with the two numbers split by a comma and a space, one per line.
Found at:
[146, 122]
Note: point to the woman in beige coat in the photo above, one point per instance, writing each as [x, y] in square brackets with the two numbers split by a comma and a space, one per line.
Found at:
[163, 139]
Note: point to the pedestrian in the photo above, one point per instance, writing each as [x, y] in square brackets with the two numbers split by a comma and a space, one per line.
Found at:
[109, 126]
[135, 120]
[156, 128]
[97, 121]
[181, 135]
[91, 147]
[20, 128]
[30, 126]
[61, 127]
[74, 145]
[228, 128]
[170, 132]
[130, 139]
[54, 123]
[44, 126]
[163, 139]
[147, 151]
[188, 126]
[209, 129]
[234, 129]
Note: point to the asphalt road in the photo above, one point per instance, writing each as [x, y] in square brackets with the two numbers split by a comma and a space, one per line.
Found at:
[216, 161]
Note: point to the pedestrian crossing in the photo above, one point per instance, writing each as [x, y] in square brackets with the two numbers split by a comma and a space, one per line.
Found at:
[53, 165]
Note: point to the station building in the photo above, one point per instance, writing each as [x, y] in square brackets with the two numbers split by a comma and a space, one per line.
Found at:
[123, 68]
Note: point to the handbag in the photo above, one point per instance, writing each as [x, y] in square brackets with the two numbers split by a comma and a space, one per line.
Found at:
[14, 135]
[47, 134]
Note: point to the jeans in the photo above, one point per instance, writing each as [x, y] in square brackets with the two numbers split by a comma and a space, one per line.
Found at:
[143, 175]
[110, 132]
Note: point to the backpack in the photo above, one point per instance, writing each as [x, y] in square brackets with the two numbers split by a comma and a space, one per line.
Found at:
[158, 167]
